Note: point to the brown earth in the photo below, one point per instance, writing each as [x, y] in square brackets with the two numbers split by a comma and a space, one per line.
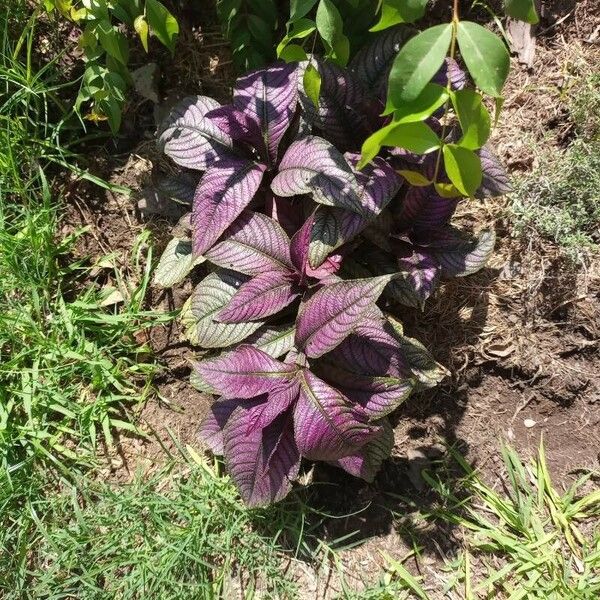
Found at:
[521, 338]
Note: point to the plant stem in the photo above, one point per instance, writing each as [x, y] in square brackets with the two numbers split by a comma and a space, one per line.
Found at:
[455, 21]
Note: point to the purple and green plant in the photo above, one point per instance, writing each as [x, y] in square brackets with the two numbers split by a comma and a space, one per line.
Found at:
[308, 247]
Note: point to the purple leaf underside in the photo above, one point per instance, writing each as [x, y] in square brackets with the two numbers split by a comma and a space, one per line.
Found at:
[190, 138]
[225, 190]
[327, 426]
[262, 463]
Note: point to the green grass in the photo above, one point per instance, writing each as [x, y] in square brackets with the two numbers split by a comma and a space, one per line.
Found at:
[71, 368]
[183, 533]
[525, 540]
[70, 362]
[560, 199]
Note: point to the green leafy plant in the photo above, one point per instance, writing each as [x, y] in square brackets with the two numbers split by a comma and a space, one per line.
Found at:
[106, 48]
[250, 27]
[414, 99]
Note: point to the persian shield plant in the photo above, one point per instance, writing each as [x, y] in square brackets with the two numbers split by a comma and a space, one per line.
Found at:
[307, 248]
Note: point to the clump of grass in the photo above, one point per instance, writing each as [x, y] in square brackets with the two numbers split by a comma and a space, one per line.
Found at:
[560, 199]
[70, 359]
[183, 533]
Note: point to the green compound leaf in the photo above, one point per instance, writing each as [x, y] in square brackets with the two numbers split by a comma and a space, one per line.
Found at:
[463, 167]
[298, 30]
[394, 12]
[331, 29]
[485, 55]
[417, 62]
[162, 23]
[429, 100]
[415, 137]
[474, 118]
[524, 10]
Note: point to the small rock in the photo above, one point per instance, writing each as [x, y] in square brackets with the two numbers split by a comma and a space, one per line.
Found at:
[529, 423]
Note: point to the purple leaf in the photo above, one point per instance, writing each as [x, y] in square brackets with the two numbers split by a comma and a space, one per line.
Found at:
[261, 297]
[334, 227]
[495, 179]
[263, 463]
[190, 138]
[314, 166]
[366, 462]
[279, 400]
[245, 372]
[377, 395]
[299, 245]
[237, 124]
[269, 97]
[225, 190]
[420, 275]
[327, 427]
[211, 428]
[372, 64]
[464, 256]
[210, 296]
[345, 110]
[332, 313]
[373, 350]
[451, 70]
[274, 341]
[252, 245]
[423, 208]
[423, 367]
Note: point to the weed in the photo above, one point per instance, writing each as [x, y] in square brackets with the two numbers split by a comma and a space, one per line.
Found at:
[560, 199]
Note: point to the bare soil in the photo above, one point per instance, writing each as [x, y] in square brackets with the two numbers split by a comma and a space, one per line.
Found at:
[521, 338]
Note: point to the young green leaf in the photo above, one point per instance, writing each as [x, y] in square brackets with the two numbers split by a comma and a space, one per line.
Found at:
[329, 22]
[141, 27]
[414, 178]
[399, 11]
[418, 61]
[428, 101]
[300, 8]
[312, 83]
[524, 10]
[473, 117]
[293, 53]
[299, 30]
[113, 42]
[463, 167]
[485, 55]
[415, 137]
[162, 23]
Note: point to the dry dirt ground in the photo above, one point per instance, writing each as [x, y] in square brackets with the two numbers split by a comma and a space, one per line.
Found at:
[521, 338]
